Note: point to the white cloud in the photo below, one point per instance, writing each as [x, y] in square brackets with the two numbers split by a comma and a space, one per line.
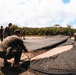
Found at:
[37, 13]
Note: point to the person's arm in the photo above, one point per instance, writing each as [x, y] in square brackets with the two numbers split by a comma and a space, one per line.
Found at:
[23, 46]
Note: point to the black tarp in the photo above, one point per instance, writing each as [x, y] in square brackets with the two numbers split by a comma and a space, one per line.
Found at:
[60, 64]
[42, 43]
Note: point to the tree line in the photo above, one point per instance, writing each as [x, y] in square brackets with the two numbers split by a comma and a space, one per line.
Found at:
[44, 31]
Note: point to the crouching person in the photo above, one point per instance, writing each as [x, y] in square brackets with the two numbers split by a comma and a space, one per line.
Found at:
[12, 47]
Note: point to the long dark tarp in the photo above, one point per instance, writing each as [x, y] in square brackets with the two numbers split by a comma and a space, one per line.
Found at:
[41, 43]
[60, 64]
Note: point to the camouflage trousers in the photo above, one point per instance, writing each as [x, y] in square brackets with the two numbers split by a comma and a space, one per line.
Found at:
[15, 53]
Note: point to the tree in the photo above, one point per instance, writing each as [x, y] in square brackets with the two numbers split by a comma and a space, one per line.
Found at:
[56, 25]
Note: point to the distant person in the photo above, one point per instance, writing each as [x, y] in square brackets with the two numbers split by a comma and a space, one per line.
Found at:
[12, 47]
[1, 33]
[69, 33]
[7, 31]
[74, 39]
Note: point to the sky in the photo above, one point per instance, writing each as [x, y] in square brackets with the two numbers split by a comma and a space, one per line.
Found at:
[38, 13]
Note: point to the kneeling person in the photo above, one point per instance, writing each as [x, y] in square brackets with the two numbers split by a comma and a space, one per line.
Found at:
[12, 47]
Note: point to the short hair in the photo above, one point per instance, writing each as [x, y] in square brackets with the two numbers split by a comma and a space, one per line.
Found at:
[17, 31]
[10, 24]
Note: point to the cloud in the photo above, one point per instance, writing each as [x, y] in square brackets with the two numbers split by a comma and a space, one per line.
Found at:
[37, 13]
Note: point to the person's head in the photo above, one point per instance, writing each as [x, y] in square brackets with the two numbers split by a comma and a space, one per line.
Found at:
[17, 32]
[1, 27]
[10, 24]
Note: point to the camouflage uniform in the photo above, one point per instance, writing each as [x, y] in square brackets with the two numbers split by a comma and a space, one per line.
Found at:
[12, 46]
[7, 32]
[1, 33]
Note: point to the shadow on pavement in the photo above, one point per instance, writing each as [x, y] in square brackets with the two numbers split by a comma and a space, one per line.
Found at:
[8, 70]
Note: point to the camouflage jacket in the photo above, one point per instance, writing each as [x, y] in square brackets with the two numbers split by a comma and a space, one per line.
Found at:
[11, 42]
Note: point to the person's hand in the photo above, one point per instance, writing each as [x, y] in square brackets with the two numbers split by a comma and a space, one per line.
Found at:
[26, 52]
[23, 51]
